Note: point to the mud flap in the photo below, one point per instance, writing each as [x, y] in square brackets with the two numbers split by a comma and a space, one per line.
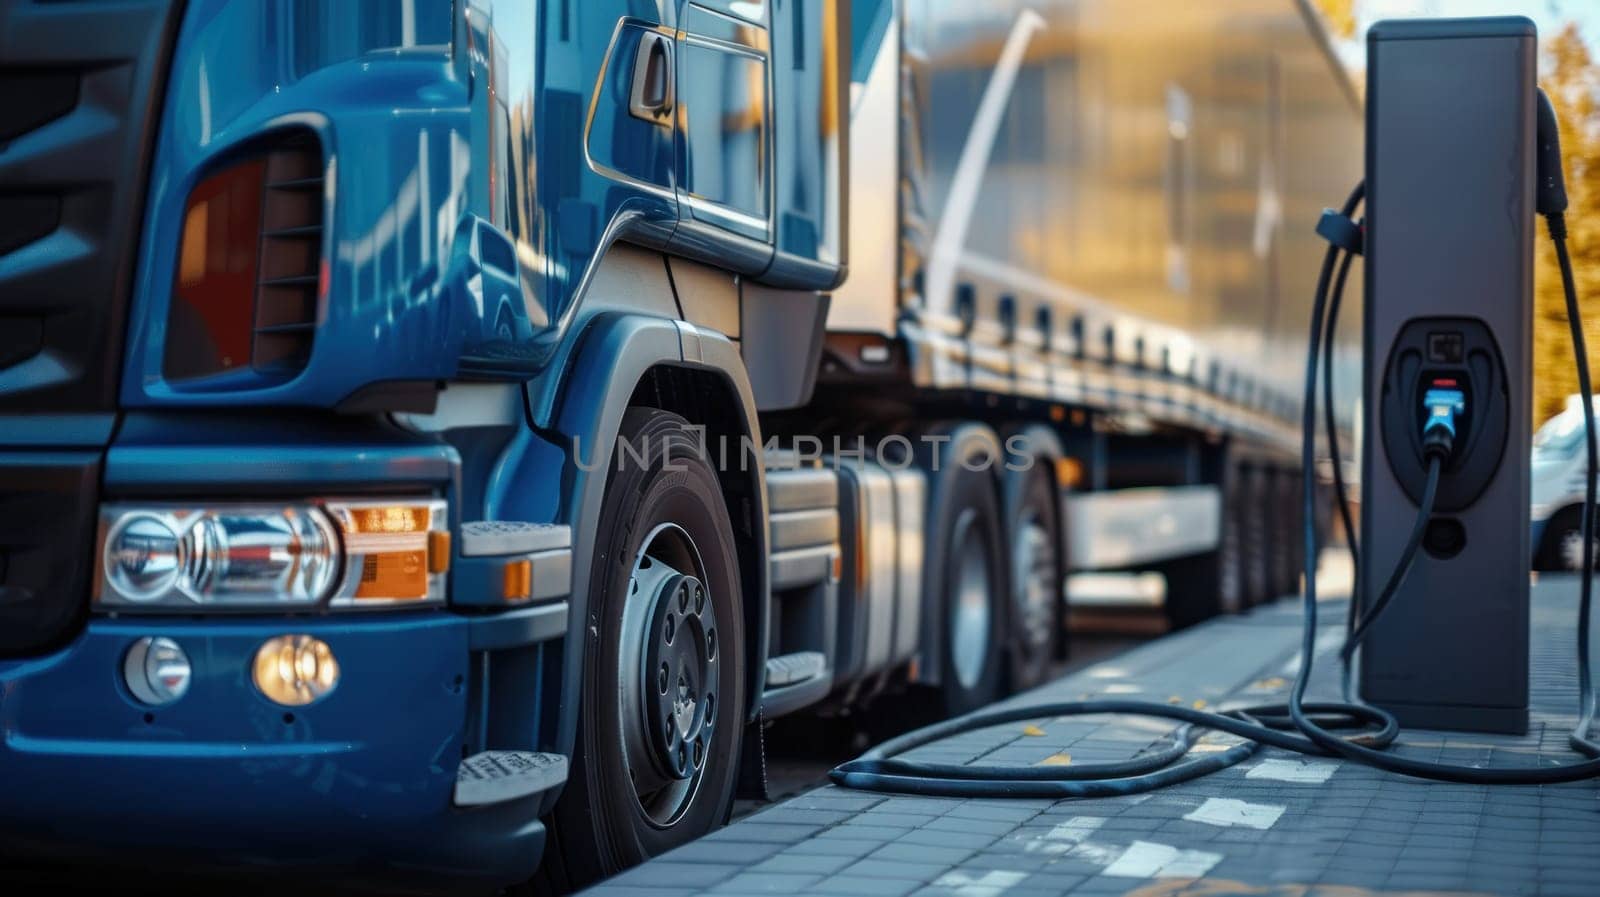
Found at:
[752, 784]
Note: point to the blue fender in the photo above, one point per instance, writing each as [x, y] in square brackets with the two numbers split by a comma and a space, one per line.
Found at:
[581, 410]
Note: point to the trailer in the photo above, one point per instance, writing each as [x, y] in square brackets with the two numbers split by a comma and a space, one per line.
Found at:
[437, 439]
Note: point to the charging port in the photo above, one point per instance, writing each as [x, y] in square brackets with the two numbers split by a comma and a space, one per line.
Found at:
[1455, 411]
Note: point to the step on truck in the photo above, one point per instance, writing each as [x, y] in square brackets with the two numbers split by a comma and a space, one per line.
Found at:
[437, 438]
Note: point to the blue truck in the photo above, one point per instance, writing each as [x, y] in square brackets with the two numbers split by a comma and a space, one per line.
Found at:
[437, 439]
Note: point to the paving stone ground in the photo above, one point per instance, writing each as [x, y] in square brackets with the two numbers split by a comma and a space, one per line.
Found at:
[1277, 824]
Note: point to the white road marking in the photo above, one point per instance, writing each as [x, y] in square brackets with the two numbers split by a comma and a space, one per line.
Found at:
[1067, 836]
[1146, 859]
[1227, 812]
[1300, 772]
[991, 884]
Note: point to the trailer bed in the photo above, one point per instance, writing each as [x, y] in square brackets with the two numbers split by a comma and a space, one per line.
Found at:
[1276, 824]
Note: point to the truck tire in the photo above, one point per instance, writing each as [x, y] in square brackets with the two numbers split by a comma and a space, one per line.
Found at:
[1282, 486]
[660, 711]
[967, 568]
[1202, 586]
[1256, 548]
[1038, 571]
[1295, 528]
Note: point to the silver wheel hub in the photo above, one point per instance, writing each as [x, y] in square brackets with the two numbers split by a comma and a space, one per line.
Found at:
[667, 675]
[1033, 570]
[969, 641]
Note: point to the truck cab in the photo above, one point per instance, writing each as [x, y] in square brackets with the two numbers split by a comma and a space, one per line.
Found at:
[319, 328]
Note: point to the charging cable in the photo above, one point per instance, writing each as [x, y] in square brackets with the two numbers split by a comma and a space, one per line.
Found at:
[1551, 200]
[1283, 726]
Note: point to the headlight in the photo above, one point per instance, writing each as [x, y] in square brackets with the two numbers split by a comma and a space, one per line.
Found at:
[272, 556]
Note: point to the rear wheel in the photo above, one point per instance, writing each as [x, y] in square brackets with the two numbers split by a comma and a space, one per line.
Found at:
[1296, 528]
[1202, 586]
[1282, 488]
[967, 564]
[662, 694]
[1255, 523]
[1037, 574]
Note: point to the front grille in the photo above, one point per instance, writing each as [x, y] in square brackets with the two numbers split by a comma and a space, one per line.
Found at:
[37, 97]
[47, 525]
[81, 84]
[80, 90]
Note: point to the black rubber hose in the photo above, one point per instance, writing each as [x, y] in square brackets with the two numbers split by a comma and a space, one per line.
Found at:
[1331, 425]
[879, 770]
[1579, 739]
[1402, 565]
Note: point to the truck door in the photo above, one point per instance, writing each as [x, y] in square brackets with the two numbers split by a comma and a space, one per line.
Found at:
[724, 128]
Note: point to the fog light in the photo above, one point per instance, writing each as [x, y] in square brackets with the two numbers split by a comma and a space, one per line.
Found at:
[295, 670]
[156, 670]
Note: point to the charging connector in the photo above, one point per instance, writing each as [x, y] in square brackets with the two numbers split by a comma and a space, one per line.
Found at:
[1443, 406]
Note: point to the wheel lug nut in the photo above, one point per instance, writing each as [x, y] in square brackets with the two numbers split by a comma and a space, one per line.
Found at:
[683, 758]
[683, 599]
[699, 599]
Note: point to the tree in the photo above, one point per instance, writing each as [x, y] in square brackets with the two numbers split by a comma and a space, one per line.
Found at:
[1572, 79]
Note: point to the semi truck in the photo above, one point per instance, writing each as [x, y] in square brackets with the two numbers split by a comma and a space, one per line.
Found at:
[438, 438]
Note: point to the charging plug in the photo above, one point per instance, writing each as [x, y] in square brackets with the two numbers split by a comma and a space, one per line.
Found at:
[1550, 193]
[1444, 406]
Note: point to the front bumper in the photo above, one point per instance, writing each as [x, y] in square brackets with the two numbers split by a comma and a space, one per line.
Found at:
[362, 779]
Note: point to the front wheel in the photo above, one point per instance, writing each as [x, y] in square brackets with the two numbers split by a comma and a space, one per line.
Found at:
[662, 698]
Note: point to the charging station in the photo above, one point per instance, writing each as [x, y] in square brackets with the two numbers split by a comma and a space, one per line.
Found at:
[1448, 325]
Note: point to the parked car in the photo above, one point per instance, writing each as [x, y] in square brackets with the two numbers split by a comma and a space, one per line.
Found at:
[1557, 489]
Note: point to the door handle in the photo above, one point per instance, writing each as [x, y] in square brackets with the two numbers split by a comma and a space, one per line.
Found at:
[651, 95]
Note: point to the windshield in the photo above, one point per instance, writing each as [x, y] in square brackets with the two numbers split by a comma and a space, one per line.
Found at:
[1560, 437]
